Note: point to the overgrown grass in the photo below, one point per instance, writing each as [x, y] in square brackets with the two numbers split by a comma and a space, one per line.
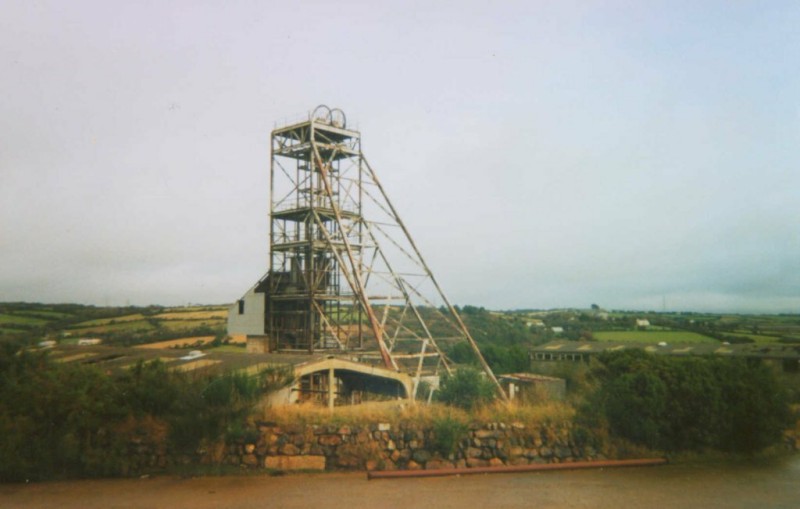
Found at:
[544, 412]
[397, 413]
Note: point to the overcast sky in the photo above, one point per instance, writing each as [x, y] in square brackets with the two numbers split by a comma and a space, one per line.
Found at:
[637, 155]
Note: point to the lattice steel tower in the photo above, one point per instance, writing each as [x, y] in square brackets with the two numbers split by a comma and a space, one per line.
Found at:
[344, 272]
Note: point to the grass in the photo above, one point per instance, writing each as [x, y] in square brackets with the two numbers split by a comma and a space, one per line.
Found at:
[544, 412]
[654, 336]
[194, 315]
[179, 325]
[21, 320]
[755, 337]
[11, 331]
[45, 314]
[100, 322]
[228, 348]
[180, 342]
[394, 412]
[128, 326]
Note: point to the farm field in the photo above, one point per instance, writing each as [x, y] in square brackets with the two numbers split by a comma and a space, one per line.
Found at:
[654, 336]
[129, 325]
[755, 337]
[209, 314]
[124, 326]
[20, 319]
[179, 343]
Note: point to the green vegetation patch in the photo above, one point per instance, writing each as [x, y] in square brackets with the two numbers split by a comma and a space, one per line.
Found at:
[109, 321]
[15, 319]
[182, 325]
[690, 403]
[45, 314]
[132, 326]
[70, 419]
[654, 336]
[755, 337]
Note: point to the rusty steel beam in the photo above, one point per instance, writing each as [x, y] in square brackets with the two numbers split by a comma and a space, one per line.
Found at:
[358, 287]
[512, 469]
[464, 330]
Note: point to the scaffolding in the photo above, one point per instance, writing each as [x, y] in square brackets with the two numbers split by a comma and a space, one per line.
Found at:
[344, 272]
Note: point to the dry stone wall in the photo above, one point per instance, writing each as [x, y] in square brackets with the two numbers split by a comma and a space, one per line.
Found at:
[384, 446]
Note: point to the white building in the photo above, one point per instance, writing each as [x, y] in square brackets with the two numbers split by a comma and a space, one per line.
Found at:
[246, 317]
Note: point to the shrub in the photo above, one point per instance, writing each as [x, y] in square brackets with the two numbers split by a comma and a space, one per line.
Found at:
[70, 419]
[448, 432]
[689, 403]
[466, 388]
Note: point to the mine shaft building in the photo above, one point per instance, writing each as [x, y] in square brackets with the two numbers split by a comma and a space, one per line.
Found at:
[345, 276]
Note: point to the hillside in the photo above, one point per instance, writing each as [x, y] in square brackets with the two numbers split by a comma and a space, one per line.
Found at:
[504, 337]
[129, 325]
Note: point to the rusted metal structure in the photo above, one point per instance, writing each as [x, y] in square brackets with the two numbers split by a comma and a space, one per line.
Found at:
[516, 469]
[344, 272]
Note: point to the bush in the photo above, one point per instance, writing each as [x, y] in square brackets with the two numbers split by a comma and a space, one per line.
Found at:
[448, 432]
[70, 419]
[466, 388]
[689, 403]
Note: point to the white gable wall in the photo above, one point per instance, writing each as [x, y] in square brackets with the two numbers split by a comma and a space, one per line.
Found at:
[246, 316]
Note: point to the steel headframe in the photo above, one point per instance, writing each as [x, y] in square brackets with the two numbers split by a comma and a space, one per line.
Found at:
[344, 269]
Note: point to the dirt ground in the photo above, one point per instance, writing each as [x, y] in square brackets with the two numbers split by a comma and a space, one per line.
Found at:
[738, 486]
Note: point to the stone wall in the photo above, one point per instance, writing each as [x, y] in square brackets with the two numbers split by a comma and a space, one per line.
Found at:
[384, 446]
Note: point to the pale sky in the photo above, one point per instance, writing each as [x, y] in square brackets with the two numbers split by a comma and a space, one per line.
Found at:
[637, 155]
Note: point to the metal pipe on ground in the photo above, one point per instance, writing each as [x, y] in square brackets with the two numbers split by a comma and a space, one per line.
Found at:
[539, 467]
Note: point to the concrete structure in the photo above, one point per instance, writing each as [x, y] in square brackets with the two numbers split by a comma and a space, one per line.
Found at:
[532, 388]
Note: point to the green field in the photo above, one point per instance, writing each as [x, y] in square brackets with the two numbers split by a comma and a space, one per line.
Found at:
[9, 319]
[108, 321]
[126, 326]
[755, 337]
[654, 336]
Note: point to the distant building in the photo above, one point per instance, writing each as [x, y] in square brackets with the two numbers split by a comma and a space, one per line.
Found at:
[89, 341]
[557, 330]
[642, 323]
